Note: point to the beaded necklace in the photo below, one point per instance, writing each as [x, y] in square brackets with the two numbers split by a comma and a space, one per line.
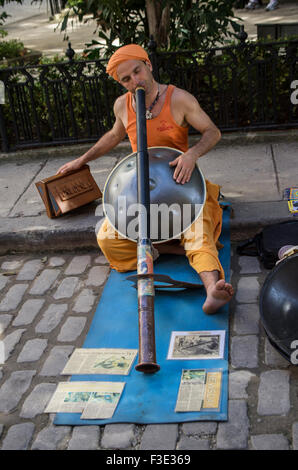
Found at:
[149, 115]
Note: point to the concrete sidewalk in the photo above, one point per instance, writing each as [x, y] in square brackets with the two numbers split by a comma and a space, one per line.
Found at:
[253, 170]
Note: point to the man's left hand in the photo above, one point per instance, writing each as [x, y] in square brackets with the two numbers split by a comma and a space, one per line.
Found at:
[185, 165]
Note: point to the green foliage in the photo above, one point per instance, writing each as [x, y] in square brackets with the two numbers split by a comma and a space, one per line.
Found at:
[192, 23]
[59, 91]
[10, 49]
[116, 20]
[200, 24]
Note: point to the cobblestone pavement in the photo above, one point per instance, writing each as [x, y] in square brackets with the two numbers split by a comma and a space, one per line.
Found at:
[46, 307]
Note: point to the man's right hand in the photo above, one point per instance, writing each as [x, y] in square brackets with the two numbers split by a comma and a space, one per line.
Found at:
[70, 166]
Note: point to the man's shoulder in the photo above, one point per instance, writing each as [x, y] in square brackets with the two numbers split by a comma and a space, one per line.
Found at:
[120, 103]
[180, 93]
[181, 97]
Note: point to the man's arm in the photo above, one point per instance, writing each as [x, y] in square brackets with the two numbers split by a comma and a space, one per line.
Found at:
[188, 111]
[106, 143]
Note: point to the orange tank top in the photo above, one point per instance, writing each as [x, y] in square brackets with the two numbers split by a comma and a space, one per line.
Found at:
[162, 131]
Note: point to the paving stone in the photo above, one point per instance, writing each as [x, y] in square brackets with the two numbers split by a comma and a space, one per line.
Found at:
[84, 302]
[274, 393]
[51, 438]
[14, 388]
[101, 260]
[18, 437]
[246, 319]
[249, 265]
[97, 276]
[294, 435]
[72, 328]
[44, 281]
[118, 436]
[3, 281]
[33, 350]
[84, 438]
[159, 437]
[247, 290]
[55, 262]
[244, 351]
[10, 341]
[78, 265]
[29, 270]
[233, 434]
[28, 312]
[56, 361]
[199, 428]
[5, 320]
[37, 401]
[270, 442]
[190, 443]
[273, 358]
[51, 318]
[66, 288]
[238, 382]
[13, 297]
[11, 265]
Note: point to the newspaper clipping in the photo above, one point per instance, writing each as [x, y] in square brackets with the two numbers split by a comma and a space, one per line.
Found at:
[100, 361]
[212, 390]
[191, 390]
[199, 390]
[95, 400]
[197, 345]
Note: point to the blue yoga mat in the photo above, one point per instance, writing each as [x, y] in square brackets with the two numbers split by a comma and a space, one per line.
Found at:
[151, 398]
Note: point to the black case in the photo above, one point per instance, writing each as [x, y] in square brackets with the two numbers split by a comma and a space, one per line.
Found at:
[267, 243]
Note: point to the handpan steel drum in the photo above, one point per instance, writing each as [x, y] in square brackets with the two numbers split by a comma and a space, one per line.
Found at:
[279, 305]
[173, 206]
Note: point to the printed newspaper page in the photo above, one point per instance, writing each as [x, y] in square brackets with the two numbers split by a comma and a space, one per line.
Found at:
[73, 397]
[213, 390]
[197, 344]
[191, 390]
[100, 361]
[101, 405]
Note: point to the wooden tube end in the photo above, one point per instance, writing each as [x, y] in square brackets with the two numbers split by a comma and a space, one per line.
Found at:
[147, 367]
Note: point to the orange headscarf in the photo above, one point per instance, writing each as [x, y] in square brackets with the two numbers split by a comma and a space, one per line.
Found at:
[130, 52]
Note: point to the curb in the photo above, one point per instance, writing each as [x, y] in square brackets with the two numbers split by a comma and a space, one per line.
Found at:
[77, 231]
[58, 240]
[247, 219]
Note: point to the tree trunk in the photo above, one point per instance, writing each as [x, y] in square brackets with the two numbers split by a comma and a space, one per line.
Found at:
[164, 26]
[158, 21]
[152, 18]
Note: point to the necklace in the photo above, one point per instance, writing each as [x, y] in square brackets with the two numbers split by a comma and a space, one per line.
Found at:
[149, 115]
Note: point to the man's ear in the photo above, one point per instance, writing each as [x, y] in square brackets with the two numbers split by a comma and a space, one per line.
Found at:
[149, 65]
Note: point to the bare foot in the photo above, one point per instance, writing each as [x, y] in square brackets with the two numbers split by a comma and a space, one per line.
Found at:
[218, 295]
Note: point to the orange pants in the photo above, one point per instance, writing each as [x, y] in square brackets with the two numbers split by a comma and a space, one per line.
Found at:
[200, 241]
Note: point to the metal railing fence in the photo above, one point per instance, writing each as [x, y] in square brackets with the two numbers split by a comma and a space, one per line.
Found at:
[246, 86]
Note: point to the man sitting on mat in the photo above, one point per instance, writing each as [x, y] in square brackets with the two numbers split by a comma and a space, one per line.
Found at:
[170, 112]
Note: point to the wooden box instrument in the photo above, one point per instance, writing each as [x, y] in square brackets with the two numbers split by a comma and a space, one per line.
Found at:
[64, 192]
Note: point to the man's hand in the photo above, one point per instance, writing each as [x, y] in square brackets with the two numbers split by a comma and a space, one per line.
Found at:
[70, 166]
[185, 165]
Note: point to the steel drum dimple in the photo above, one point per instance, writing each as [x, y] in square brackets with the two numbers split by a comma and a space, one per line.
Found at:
[184, 202]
